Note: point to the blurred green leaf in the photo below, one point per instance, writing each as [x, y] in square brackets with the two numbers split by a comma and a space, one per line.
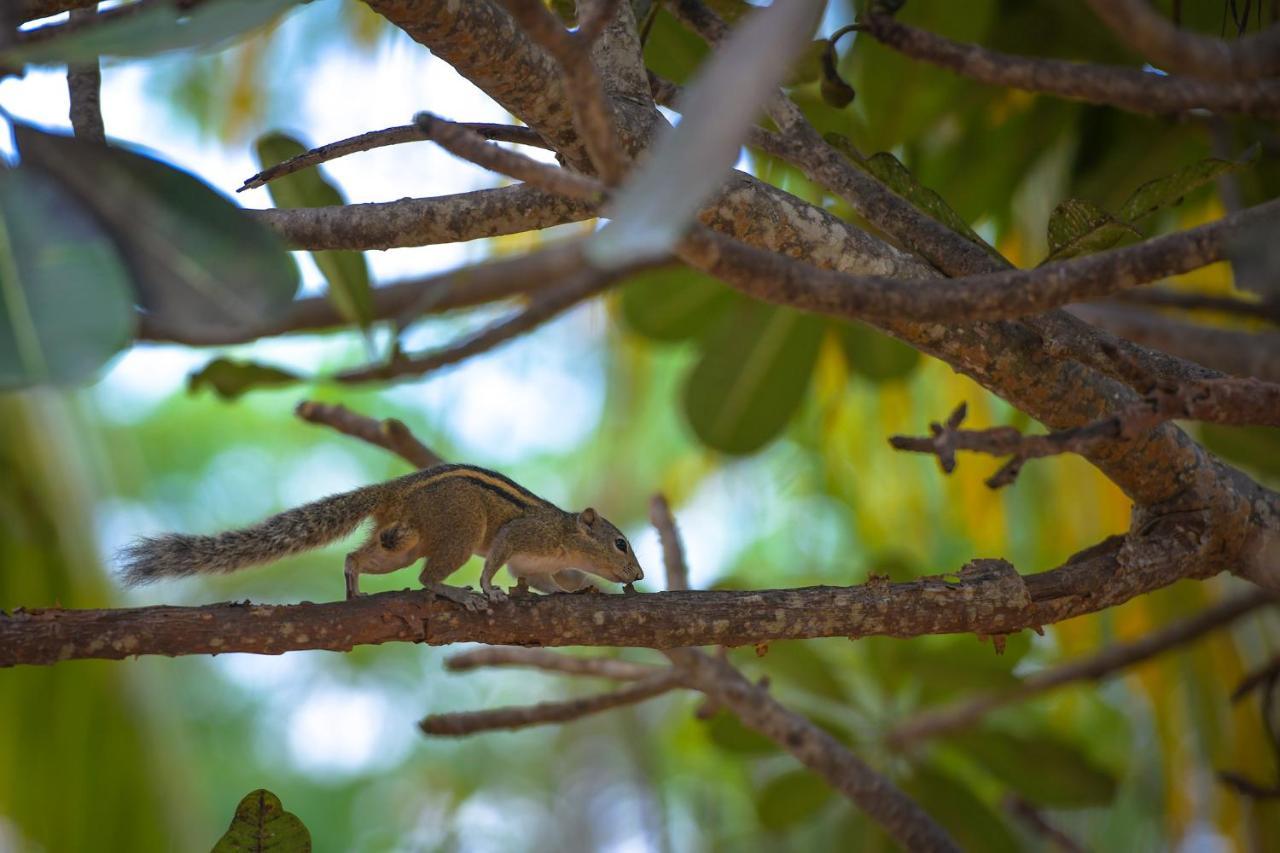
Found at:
[65, 303]
[943, 667]
[199, 264]
[949, 801]
[1040, 767]
[798, 663]
[875, 355]
[1168, 191]
[791, 798]
[346, 272]
[158, 28]
[671, 51]
[1078, 227]
[808, 68]
[674, 304]
[890, 171]
[727, 732]
[752, 376]
[261, 825]
[1256, 448]
[230, 379]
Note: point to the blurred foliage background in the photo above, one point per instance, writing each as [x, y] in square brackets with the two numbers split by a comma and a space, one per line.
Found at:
[766, 428]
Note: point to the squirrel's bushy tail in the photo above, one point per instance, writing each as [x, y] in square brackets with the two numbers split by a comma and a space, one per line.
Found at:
[301, 529]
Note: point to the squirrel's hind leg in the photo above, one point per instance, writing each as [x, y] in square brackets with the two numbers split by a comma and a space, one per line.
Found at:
[391, 547]
[446, 550]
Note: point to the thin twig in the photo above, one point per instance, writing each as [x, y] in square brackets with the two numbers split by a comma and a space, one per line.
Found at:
[389, 136]
[84, 85]
[390, 434]
[672, 548]
[1031, 817]
[524, 716]
[469, 145]
[1141, 27]
[1127, 88]
[551, 661]
[1105, 664]
[1268, 310]
[1234, 402]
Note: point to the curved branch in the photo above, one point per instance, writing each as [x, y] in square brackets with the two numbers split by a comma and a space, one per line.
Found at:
[1143, 28]
[1127, 88]
[991, 296]
[423, 221]
[380, 138]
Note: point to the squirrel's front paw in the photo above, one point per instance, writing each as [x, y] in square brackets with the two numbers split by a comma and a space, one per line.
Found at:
[495, 595]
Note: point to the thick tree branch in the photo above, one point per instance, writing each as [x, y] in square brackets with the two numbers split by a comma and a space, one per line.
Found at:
[1105, 664]
[1141, 27]
[381, 138]
[423, 221]
[1127, 88]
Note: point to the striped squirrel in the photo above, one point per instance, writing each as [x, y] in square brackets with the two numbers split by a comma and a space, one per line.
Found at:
[445, 514]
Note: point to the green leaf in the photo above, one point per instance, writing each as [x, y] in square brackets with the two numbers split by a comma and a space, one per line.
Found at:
[791, 798]
[200, 265]
[346, 272]
[1044, 769]
[971, 822]
[1078, 227]
[874, 354]
[230, 379]
[261, 825]
[727, 732]
[798, 663]
[808, 68]
[674, 304]
[752, 375]
[159, 28]
[65, 304]
[890, 171]
[1168, 191]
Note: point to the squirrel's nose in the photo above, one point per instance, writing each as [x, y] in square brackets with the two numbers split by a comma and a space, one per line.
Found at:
[639, 574]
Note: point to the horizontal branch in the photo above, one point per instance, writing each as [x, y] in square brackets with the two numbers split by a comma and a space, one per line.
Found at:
[381, 138]
[1127, 88]
[989, 296]
[987, 596]
[549, 661]
[1268, 310]
[523, 716]
[1110, 661]
[1141, 27]
[423, 221]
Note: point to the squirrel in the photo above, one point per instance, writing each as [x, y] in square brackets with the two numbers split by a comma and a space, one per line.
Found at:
[444, 514]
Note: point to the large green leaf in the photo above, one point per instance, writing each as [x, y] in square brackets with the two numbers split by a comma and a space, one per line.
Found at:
[753, 373]
[199, 264]
[1078, 227]
[949, 801]
[159, 28]
[791, 798]
[674, 304]
[65, 305]
[1161, 193]
[1044, 769]
[1257, 448]
[346, 272]
[798, 663]
[261, 825]
[875, 355]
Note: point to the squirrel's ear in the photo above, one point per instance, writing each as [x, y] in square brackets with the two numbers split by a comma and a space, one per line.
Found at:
[587, 517]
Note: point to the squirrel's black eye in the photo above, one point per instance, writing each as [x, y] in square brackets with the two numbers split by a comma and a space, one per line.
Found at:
[621, 544]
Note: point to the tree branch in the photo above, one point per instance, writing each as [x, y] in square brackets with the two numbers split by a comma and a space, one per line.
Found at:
[423, 221]
[1141, 27]
[1268, 310]
[1127, 88]
[84, 85]
[381, 138]
[1103, 665]
[389, 433]
[549, 661]
[523, 716]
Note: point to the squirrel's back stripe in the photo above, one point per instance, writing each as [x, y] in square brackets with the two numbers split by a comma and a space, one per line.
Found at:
[483, 477]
